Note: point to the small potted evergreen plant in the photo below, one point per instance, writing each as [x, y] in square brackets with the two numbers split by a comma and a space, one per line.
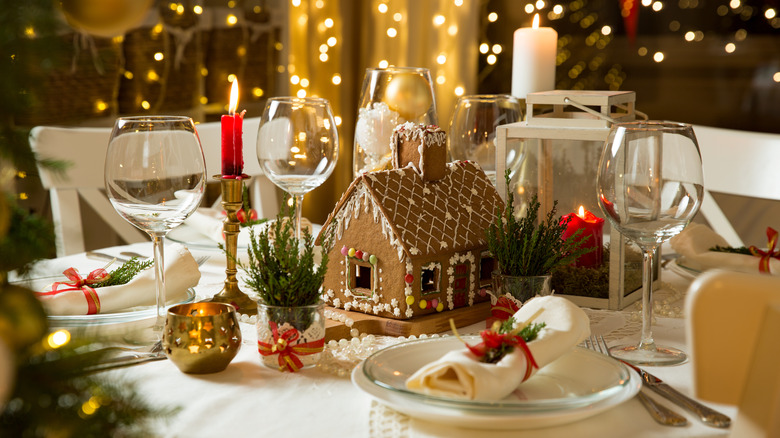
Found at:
[527, 252]
[290, 319]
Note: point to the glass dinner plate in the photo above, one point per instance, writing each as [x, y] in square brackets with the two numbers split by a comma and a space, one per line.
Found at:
[579, 384]
[131, 314]
[684, 268]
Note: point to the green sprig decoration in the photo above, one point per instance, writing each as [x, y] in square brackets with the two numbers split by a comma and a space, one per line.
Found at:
[731, 250]
[523, 248]
[281, 268]
[528, 333]
[126, 272]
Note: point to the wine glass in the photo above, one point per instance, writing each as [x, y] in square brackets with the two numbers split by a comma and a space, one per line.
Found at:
[155, 176]
[390, 96]
[650, 185]
[473, 130]
[297, 145]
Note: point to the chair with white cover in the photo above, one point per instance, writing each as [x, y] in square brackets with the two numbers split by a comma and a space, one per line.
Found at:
[263, 193]
[85, 151]
[736, 163]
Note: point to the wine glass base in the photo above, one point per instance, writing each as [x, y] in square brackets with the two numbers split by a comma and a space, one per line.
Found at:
[657, 356]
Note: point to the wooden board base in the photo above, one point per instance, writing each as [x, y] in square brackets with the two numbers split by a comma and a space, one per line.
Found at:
[429, 324]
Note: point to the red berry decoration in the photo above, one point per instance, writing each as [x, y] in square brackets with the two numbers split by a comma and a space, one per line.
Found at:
[409, 279]
[252, 214]
[241, 216]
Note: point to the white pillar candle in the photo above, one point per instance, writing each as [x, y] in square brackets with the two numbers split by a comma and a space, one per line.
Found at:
[533, 59]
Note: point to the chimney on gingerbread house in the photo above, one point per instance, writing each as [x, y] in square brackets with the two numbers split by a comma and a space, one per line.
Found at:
[424, 147]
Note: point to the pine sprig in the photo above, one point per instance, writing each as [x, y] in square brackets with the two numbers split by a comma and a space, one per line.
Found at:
[124, 273]
[523, 248]
[528, 332]
[281, 269]
[731, 250]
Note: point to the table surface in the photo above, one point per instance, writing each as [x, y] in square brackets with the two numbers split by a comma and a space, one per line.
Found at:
[249, 399]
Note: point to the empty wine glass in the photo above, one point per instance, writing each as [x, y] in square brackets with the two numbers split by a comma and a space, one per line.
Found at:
[155, 176]
[297, 145]
[472, 133]
[390, 96]
[650, 185]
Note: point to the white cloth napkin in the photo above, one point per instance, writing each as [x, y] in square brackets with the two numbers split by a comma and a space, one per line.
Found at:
[181, 273]
[695, 241]
[208, 222]
[460, 374]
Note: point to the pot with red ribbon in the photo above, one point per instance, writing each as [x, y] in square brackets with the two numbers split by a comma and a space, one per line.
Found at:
[290, 338]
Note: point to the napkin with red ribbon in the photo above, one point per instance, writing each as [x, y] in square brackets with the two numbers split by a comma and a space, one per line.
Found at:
[460, 373]
[288, 348]
[75, 294]
[695, 241]
[208, 222]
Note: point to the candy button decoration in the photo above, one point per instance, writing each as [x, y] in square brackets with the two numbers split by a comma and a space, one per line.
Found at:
[440, 307]
[372, 259]
[351, 252]
[344, 250]
[409, 278]
[423, 304]
[365, 257]
[434, 303]
[359, 254]
[409, 300]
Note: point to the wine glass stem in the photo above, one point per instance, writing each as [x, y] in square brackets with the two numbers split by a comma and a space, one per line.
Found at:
[647, 342]
[298, 209]
[158, 241]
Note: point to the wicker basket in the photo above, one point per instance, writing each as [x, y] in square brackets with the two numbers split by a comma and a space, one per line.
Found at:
[172, 84]
[80, 83]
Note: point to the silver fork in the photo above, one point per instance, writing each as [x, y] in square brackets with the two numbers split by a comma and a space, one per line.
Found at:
[659, 412]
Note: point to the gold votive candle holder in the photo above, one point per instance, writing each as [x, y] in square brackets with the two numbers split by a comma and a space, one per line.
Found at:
[201, 338]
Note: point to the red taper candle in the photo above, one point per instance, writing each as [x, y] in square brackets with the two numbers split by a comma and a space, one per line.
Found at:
[232, 142]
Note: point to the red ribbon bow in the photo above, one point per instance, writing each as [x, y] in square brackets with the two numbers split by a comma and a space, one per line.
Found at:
[503, 309]
[288, 354]
[78, 283]
[492, 339]
[766, 256]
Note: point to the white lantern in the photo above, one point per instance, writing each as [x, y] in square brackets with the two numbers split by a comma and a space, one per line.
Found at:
[561, 142]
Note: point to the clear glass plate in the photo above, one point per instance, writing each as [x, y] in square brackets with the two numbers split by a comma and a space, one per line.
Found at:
[580, 378]
[685, 268]
[128, 315]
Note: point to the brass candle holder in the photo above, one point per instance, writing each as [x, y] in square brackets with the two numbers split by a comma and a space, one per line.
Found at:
[232, 191]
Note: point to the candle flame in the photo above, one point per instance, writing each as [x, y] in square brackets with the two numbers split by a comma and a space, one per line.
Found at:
[581, 212]
[233, 98]
[536, 22]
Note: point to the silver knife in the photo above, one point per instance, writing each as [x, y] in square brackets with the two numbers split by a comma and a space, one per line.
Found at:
[707, 415]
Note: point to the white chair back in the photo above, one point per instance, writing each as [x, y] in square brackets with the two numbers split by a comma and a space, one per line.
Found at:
[85, 150]
[736, 163]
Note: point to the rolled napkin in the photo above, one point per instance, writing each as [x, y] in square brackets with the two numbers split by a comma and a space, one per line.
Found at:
[181, 273]
[460, 373]
[695, 241]
[208, 222]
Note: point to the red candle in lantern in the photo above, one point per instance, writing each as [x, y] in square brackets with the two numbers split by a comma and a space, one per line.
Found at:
[232, 142]
[592, 235]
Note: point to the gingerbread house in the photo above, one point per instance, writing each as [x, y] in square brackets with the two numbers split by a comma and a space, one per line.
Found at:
[411, 241]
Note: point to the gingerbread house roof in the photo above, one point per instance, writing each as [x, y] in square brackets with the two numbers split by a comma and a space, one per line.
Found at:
[423, 218]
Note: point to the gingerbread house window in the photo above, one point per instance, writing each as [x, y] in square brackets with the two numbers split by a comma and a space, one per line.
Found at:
[430, 278]
[361, 278]
[487, 264]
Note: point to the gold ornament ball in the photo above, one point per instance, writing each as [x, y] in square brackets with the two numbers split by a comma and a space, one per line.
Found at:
[105, 18]
[409, 95]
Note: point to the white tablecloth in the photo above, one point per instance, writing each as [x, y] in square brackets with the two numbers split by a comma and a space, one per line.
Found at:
[248, 399]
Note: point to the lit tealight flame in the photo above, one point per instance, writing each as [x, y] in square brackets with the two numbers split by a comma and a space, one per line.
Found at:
[535, 24]
[233, 98]
[581, 212]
